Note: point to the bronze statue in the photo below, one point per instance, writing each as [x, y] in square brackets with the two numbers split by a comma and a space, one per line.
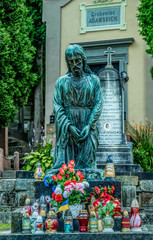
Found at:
[77, 107]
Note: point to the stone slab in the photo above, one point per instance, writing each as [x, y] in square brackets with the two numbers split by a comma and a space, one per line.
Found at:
[147, 216]
[81, 236]
[25, 174]
[128, 194]
[128, 180]
[15, 217]
[146, 200]
[124, 168]
[21, 184]
[7, 185]
[41, 189]
[146, 185]
[5, 217]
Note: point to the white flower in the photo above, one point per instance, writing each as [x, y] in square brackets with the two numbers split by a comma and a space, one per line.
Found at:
[47, 198]
[58, 190]
[86, 184]
[35, 206]
[66, 194]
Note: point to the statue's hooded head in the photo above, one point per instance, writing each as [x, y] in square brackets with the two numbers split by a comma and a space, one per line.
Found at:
[73, 50]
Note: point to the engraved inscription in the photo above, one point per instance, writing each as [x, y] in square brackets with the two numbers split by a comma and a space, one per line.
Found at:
[111, 130]
[103, 17]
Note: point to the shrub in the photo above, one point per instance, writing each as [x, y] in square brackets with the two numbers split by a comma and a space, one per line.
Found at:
[41, 155]
[143, 147]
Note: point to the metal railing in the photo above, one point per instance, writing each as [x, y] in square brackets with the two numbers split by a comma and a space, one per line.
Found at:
[5, 163]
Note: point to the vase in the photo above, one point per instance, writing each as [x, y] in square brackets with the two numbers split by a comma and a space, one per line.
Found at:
[75, 209]
[108, 224]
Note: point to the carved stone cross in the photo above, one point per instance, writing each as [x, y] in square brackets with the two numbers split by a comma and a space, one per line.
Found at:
[109, 54]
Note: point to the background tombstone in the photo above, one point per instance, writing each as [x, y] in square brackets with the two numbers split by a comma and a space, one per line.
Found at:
[112, 139]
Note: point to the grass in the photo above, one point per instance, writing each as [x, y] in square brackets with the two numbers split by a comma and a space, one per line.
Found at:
[4, 226]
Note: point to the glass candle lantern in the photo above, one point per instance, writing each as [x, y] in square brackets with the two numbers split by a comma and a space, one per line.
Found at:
[39, 225]
[68, 218]
[51, 222]
[83, 220]
[38, 174]
[125, 222]
[26, 224]
[135, 220]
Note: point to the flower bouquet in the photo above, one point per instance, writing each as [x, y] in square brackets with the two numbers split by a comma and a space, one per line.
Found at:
[69, 186]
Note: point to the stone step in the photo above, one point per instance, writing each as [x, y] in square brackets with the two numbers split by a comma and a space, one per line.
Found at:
[82, 236]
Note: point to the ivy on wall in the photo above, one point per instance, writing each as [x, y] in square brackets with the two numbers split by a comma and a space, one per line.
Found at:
[145, 18]
[21, 34]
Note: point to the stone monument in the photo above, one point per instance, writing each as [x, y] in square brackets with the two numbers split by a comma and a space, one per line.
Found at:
[112, 140]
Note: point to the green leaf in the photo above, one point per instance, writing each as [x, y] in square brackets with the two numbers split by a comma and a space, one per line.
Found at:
[28, 167]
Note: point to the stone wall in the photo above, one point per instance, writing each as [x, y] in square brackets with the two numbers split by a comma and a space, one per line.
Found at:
[13, 193]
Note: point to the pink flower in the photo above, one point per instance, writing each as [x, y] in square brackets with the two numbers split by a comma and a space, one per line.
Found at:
[72, 162]
[64, 166]
[71, 169]
[82, 191]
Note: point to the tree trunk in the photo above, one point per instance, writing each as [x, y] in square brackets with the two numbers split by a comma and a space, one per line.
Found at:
[4, 140]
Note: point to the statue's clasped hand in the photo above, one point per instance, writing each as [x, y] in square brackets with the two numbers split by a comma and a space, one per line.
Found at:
[84, 133]
[77, 134]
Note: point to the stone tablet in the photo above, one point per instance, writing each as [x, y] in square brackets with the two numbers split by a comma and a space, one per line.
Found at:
[103, 17]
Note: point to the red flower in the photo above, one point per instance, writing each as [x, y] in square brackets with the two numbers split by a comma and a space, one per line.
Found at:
[78, 173]
[104, 204]
[91, 194]
[61, 171]
[58, 198]
[64, 166]
[67, 182]
[59, 177]
[67, 175]
[54, 177]
[105, 188]
[74, 181]
[112, 191]
[96, 203]
[97, 190]
[71, 169]
[53, 195]
[113, 188]
[72, 162]
[81, 177]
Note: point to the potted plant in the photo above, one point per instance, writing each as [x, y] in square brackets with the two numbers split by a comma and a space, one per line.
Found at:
[69, 188]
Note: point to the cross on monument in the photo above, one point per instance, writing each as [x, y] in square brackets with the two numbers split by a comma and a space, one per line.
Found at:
[109, 54]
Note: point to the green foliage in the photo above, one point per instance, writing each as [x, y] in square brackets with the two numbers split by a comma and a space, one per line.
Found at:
[143, 147]
[41, 155]
[21, 34]
[107, 209]
[145, 18]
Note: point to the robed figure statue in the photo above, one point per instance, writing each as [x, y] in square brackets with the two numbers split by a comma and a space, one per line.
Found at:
[77, 107]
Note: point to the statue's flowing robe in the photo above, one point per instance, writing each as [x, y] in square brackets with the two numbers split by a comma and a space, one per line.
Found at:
[77, 102]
